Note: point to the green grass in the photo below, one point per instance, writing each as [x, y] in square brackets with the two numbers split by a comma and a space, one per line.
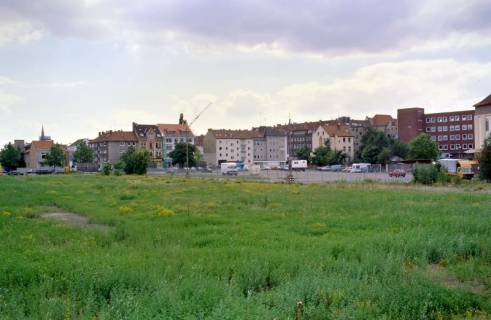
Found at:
[192, 249]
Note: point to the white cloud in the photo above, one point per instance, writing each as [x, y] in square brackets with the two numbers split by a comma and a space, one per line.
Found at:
[18, 32]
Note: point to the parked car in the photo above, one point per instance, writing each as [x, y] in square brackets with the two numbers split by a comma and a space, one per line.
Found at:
[229, 169]
[336, 168]
[284, 167]
[397, 173]
[347, 169]
[324, 168]
[360, 168]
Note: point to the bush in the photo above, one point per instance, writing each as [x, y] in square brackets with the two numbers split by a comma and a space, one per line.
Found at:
[430, 174]
[136, 161]
[107, 168]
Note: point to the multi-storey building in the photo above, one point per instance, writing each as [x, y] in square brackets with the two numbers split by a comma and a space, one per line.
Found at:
[358, 128]
[110, 145]
[270, 144]
[453, 131]
[384, 123]
[35, 152]
[171, 135]
[150, 138]
[299, 135]
[340, 139]
[482, 122]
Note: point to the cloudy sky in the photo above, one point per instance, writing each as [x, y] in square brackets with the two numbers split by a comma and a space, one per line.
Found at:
[80, 67]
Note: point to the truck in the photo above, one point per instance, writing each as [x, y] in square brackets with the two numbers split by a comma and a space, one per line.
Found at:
[298, 165]
[465, 169]
[229, 168]
[360, 167]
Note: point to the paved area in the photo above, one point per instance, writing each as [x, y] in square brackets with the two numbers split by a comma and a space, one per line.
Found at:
[308, 176]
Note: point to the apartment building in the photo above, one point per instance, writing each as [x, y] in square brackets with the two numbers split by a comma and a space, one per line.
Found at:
[384, 123]
[172, 134]
[452, 131]
[299, 135]
[340, 138]
[357, 128]
[482, 122]
[150, 138]
[110, 145]
[270, 144]
[229, 146]
[35, 153]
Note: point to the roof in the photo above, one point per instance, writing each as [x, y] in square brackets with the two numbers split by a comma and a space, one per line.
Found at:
[115, 136]
[43, 144]
[484, 103]
[236, 134]
[338, 130]
[166, 128]
[381, 120]
[142, 129]
[300, 126]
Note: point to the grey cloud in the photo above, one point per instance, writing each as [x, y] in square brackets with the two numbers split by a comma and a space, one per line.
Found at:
[314, 26]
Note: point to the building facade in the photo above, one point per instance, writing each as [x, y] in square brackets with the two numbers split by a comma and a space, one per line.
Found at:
[386, 124]
[340, 138]
[410, 122]
[150, 139]
[482, 122]
[453, 131]
[172, 134]
[35, 153]
[109, 146]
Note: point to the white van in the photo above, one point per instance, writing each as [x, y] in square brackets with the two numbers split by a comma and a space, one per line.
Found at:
[299, 165]
[360, 167]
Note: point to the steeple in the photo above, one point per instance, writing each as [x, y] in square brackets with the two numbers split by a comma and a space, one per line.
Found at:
[43, 137]
[42, 131]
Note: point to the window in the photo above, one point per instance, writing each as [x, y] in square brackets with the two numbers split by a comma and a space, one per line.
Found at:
[445, 147]
[464, 137]
[440, 147]
[440, 128]
[464, 146]
[452, 118]
[470, 145]
[464, 127]
[428, 120]
[440, 138]
[469, 127]
[445, 138]
[457, 118]
[457, 127]
[452, 147]
[428, 129]
[445, 119]
[445, 128]
[452, 128]
[458, 147]
[470, 136]
[457, 137]
[433, 138]
[433, 129]
[469, 117]
[440, 119]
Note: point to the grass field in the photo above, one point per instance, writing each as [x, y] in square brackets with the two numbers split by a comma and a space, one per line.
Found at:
[192, 249]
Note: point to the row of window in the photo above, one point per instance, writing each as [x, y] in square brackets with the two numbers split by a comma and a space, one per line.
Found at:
[453, 137]
[457, 146]
[465, 117]
[465, 127]
[176, 140]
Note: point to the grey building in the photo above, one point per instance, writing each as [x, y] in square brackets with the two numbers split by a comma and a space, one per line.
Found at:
[109, 146]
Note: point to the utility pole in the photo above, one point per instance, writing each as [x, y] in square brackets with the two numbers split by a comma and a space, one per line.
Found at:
[187, 132]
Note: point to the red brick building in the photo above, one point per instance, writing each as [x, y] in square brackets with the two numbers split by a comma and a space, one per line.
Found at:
[453, 131]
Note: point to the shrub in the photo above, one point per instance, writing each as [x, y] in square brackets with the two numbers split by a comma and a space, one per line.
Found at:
[136, 161]
[430, 174]
[107, 168]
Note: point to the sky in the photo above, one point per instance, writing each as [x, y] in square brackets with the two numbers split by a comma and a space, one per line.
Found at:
[79, 67]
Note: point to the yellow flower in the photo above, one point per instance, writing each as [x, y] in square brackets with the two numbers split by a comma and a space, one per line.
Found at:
[164, 212]
[124, 210]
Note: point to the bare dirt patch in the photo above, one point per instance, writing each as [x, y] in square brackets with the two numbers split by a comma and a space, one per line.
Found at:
[74, 219]
[439, 274]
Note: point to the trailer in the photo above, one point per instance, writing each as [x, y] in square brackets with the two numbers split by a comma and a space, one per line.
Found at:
[298, 165]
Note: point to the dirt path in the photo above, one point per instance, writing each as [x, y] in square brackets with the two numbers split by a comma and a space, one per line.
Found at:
[75, 220]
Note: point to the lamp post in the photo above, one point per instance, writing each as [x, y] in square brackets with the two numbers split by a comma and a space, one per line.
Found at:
[187, 131]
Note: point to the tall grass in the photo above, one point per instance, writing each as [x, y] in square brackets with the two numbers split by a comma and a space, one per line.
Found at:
[188, 249]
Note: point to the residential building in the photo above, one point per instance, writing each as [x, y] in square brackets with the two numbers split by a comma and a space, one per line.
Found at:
[199, 143]
[35, 153]
[270, 144]
[110, 145]
[384, 123]
[340, 138]
[482, 122]
[171, 135]
[72, 148]
[410, 123]
[299, 135]
[150, 139]
[453, 131]
[358, 128]
[229, 146]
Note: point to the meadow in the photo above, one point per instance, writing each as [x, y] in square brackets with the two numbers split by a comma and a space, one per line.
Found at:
[176, 248]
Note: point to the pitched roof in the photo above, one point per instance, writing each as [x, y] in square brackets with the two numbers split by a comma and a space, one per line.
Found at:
[166, 128]
[42, 144]
[381, 120]
[484, 103]
[236, 134]
[338, 129]
[115, 136]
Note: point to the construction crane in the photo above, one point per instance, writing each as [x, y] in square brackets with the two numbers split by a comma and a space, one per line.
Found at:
[187, 131]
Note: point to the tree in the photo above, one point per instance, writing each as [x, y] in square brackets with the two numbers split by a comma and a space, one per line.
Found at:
[178, 155]
[136, 161]
[83, 154]
[10, 157]
[337, 157]
[372, 145]
[304, 154]
[422, 147]
[485, 161]
[55, 157]
[321, 156]
[398, 148]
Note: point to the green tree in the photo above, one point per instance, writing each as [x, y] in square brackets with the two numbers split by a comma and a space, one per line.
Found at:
[384, 156]
[55, 157]
[337, 157]
[136, 161]
[422, 147]
[83, 154]
[107, 168]
[321, 156]
[485, 161]
[10, 157]
[398, 148]
[372, 145]
[178, 155]
[304, 154]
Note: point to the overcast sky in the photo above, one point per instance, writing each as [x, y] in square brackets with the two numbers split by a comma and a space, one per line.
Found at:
[80, 67]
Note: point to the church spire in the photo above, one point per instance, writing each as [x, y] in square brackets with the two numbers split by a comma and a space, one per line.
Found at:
[43, 137]
[42, 132]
